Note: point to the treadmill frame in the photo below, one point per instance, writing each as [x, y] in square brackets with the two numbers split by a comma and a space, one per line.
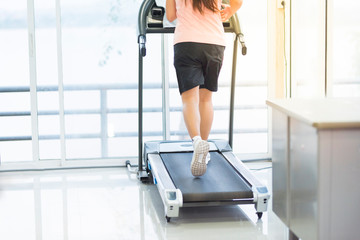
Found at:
[144, 16]
[154, 168]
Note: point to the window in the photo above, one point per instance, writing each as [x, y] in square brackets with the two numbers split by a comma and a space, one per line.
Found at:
[73, 94]
[344, 48]
[325, 38]
[15, 107]
[307, 49]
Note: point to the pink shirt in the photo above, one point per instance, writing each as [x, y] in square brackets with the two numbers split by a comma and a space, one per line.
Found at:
[192, 26]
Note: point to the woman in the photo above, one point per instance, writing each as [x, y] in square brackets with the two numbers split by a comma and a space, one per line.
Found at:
[199, 44]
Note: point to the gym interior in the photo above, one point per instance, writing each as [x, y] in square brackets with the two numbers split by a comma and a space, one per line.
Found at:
[93, 144]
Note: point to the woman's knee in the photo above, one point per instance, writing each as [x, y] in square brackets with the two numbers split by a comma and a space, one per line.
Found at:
[191, 95]
[205, 95]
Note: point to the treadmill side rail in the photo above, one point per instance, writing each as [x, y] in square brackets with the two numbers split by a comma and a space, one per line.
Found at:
[260, 191]
[261, 198]
[173, 202]
[170, 195]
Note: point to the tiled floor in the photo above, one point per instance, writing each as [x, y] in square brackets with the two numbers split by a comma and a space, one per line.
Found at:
[110, 203]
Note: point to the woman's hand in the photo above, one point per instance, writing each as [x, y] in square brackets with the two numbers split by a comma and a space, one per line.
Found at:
[225, 12]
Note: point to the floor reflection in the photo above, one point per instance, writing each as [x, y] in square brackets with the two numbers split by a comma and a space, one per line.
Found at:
[110, 203]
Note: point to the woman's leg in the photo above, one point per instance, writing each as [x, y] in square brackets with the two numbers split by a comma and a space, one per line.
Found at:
[190, 100]
[206, 112]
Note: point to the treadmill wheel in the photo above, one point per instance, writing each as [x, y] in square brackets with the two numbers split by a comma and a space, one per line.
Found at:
[259, 214]
[167, 218]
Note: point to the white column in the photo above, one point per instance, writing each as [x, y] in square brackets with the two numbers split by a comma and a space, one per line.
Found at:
[60, 83]
[33, 84]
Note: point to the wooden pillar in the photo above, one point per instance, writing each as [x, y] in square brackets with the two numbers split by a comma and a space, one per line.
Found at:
[276, 43]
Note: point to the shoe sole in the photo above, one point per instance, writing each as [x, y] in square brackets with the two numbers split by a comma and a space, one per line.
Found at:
[207, 161]
[198, 162]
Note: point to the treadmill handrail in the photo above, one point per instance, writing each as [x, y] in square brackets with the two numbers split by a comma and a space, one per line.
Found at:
[143, 13]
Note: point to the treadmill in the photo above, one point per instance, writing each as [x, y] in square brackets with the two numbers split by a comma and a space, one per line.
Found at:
[227, 180]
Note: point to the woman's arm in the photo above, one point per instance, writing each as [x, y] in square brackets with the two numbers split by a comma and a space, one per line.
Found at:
[230, 9]
[170, 10]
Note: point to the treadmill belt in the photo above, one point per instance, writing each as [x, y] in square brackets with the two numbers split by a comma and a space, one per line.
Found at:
[220, 182]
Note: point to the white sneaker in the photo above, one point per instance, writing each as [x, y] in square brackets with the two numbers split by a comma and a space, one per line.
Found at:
[208, 158]
[198, 162]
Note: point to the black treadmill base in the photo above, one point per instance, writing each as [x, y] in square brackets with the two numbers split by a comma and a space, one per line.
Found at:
[220, 183]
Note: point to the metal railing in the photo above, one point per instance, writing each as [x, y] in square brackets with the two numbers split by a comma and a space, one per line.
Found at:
[103, 111]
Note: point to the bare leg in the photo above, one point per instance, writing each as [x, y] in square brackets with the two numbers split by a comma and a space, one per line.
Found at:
[206, 112]
[190, 100]
[191, 111]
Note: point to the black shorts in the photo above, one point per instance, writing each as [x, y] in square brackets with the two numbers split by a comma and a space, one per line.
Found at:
[198, 64]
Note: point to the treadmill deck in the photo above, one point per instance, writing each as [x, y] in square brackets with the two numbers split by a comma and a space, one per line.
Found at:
[219, 183]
